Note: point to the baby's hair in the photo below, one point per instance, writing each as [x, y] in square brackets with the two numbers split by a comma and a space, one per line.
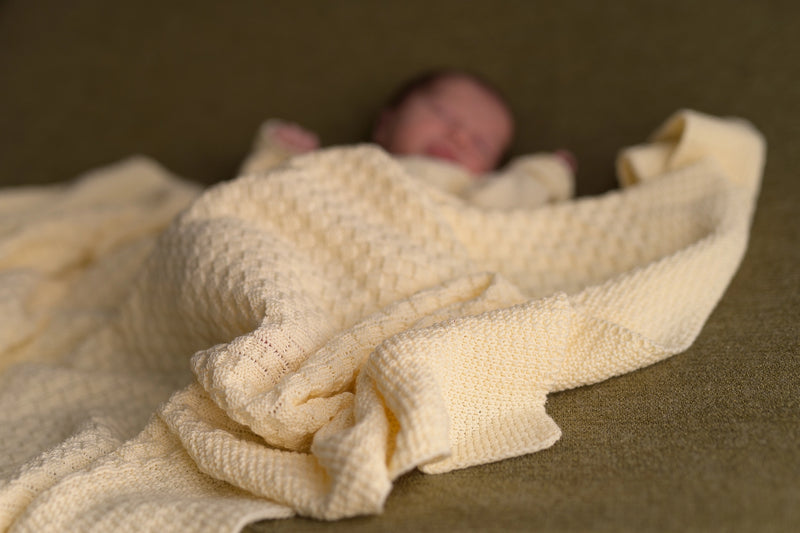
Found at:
[429, 78]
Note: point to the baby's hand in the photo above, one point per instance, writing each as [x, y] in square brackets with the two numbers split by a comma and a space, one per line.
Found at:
[568, 158]
[290, 137]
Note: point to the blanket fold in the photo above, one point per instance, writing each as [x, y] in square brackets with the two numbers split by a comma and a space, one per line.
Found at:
[296, 339]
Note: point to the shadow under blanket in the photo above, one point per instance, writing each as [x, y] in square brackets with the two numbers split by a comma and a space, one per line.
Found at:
[293, 341]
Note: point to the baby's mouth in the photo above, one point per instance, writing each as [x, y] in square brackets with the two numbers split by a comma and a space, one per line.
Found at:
[440, 151]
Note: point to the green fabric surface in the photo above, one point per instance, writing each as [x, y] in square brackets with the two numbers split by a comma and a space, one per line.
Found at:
[708, 440]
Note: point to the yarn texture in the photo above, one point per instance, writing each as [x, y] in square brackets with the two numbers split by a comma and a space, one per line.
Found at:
[292, 341]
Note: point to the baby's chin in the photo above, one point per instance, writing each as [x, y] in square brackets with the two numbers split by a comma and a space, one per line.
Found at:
[444, 153]
[438, 151]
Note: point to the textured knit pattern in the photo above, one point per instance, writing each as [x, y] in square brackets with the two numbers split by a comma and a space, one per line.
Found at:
[297, 339]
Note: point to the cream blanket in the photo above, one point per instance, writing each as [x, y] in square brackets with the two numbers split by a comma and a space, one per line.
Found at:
[294, 341]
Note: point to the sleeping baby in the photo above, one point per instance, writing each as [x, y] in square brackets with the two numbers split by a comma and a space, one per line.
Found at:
[452, 129]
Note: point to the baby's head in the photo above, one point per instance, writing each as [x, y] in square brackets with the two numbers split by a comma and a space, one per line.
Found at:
[448, 115]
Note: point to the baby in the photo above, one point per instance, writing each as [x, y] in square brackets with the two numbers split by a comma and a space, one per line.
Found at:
[453, 128]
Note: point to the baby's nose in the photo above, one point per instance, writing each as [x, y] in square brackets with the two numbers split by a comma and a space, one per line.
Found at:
[459, 134]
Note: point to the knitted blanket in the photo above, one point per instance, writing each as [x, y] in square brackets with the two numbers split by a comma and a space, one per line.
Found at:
[295, 340]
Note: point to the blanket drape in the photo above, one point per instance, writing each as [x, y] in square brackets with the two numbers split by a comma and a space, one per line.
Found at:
[292, 341]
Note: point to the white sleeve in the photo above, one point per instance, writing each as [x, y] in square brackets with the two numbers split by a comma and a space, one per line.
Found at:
[529, 181]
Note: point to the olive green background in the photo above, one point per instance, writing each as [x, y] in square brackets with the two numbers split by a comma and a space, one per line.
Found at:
[708, 440]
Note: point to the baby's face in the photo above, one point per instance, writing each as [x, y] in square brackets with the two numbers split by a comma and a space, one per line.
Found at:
[455, 119]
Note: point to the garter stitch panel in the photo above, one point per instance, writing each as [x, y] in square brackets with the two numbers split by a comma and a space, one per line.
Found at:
[298, 338]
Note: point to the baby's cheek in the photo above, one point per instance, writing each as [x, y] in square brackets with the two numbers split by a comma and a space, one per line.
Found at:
[409, 141]
[475, 162]
[425, 133]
